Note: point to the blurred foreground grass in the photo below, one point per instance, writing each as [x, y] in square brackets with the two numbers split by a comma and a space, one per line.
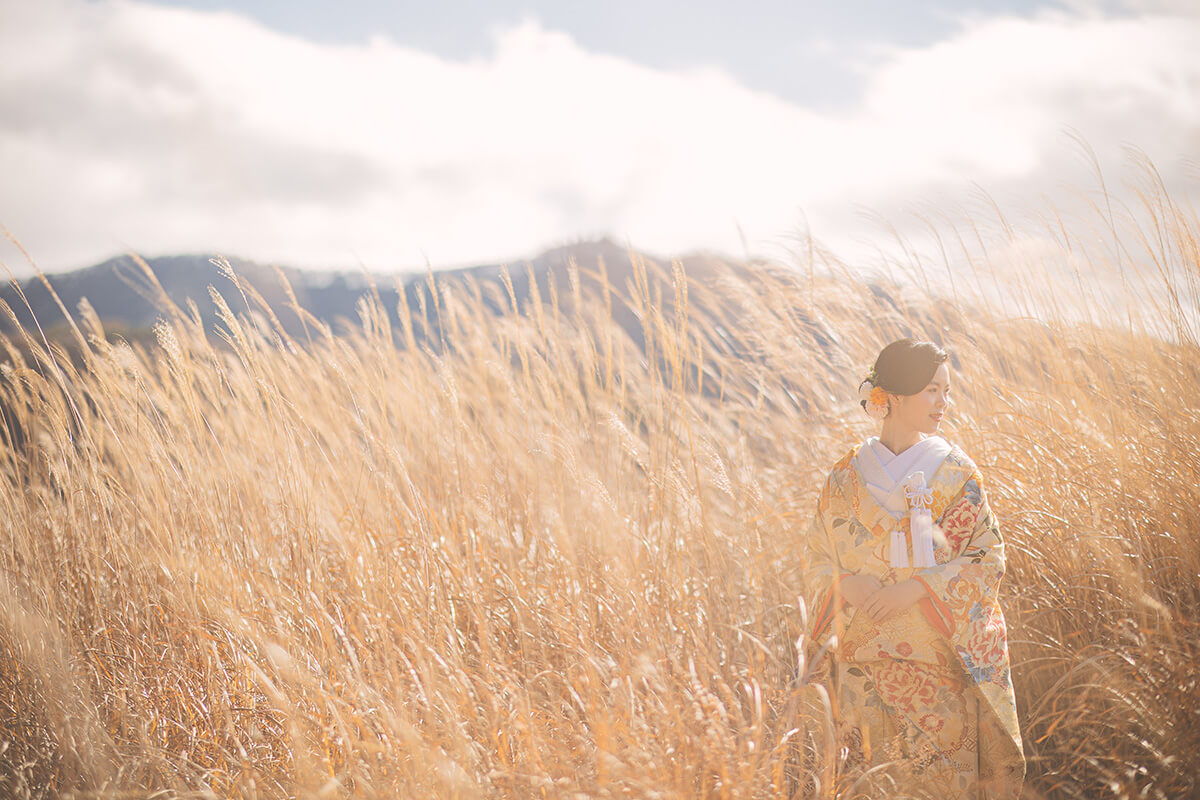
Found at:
[547, 554]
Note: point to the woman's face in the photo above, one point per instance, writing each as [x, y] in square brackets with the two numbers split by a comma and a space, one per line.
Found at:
[923, 411]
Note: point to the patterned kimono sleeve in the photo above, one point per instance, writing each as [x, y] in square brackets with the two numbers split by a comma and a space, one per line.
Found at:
[963, 590]
[964, 604]
[822, 572]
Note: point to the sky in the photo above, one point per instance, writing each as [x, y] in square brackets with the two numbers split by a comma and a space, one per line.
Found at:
[392, 135]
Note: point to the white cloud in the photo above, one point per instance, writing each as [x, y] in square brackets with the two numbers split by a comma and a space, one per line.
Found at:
[124, 124]
[1184, 7]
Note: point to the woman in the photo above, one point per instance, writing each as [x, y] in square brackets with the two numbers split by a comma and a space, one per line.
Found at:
[904, 559]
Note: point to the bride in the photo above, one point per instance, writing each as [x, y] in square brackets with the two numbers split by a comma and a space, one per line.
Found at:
[903, 562]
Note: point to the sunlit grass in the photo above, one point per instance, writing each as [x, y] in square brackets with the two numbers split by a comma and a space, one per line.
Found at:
[548, 554]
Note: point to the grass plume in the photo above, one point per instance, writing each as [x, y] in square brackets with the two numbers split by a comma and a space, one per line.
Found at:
[552, 552]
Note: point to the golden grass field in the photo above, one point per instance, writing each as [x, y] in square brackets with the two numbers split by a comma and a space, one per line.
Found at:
[530, 556]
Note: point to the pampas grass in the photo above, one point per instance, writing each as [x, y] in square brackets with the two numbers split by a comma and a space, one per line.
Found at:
[552, 552]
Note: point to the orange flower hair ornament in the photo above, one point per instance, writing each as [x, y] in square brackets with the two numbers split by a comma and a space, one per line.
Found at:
[873, 398]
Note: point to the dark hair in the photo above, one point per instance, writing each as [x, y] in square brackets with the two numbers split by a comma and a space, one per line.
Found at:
[906, 366]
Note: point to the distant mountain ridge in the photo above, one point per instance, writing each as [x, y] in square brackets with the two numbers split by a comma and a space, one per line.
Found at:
[123, 298]
[117, 289]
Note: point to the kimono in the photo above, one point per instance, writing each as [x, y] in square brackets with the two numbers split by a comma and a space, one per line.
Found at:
[927, 690]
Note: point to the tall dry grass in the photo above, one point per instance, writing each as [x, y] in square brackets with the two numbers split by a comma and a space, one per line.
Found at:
[553, 552]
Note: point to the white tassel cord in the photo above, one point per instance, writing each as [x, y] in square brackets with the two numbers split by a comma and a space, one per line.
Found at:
[899, 549]
[920, 498]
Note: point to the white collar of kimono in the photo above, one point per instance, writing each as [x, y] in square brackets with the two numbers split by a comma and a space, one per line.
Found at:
[885, 473]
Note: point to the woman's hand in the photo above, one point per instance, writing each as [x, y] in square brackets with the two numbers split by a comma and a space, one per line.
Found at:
[857, 588]
[890, 600]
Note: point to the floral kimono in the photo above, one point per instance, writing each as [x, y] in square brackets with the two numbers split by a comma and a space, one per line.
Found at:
[928, 688]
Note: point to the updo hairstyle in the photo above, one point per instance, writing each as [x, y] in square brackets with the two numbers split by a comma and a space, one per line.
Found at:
[906, 366]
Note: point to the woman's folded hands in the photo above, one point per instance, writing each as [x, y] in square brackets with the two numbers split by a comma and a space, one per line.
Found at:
[879, 602]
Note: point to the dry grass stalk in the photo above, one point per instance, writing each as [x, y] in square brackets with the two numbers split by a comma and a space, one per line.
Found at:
[548, 554]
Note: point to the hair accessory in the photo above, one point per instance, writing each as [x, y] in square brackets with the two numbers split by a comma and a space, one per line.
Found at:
[873, 398]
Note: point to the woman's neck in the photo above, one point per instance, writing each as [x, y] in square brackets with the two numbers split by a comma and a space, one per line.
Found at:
[897, 438]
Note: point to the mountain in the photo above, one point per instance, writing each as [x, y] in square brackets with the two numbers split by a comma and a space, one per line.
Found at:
[733, 305]
[125, 300]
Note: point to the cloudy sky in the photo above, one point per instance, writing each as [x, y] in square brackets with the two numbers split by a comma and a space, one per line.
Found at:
[389, 134]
